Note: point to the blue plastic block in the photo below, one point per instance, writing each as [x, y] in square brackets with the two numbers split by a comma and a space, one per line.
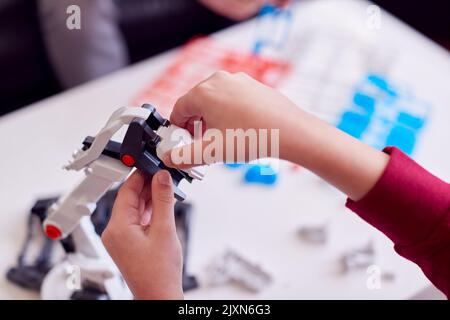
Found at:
[354, 124]
[261, 174]
[410, 120]
[365, 102]
[382, 84]
[234, 165]
[267, 9]
[257, 48]
[403, 138]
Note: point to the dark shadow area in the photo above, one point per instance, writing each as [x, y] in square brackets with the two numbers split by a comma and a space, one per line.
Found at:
[431, 18]
[26, 75]
[149, 27]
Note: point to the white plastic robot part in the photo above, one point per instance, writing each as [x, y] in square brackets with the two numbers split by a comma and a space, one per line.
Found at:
[175, 137]
[65, 215]
[118, 119]
[102, 172]
[171, 137]
[89, 263]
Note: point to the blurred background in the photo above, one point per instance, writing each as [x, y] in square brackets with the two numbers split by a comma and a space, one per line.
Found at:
[35, 54]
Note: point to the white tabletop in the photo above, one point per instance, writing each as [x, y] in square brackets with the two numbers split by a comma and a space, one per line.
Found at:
[258, 222]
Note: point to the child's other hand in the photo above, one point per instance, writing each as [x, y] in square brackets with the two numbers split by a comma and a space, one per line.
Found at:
[234, 9]
[234, 101]
[238, 9]
[142, 240]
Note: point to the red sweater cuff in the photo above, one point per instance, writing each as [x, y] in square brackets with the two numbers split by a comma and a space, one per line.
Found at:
[407, 203]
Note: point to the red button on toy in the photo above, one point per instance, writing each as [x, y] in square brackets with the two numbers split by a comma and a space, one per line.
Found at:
[128, 160]
[52, 232]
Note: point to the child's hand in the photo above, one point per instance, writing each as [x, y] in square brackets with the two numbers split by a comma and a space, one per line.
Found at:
[142, 240]
[235, 101]
[234, 9]
[238, 9]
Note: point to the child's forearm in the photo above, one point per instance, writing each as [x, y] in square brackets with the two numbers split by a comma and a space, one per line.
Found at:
[348, 164]
[236, 101]
[405, 202]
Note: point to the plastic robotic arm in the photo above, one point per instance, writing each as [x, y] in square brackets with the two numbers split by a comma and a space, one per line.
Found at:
[107, 162]
[118, 119]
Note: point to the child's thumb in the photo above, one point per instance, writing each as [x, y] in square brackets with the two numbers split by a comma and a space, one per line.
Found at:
[188, 156]
[162, 202]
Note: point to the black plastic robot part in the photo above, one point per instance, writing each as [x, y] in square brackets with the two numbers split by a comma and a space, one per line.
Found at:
[30, 275]
[138, 149]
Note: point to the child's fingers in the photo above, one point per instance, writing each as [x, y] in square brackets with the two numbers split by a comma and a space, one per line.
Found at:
[134, 183]
[128, 204]
[146, 199]
[183, 111]
[189, 156]
[163, 218]
[192, 103]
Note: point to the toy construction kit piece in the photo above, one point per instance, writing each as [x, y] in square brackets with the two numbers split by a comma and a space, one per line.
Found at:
[33, 268]
[107, 162]
[261, 174]
[183, 214]
[388, 276]
[68, 218]
[33, 265]
[257, 172]
[314, 234]
[365, 259]
[274, 26]
[231, 267]
[358, 259]
[200, 58]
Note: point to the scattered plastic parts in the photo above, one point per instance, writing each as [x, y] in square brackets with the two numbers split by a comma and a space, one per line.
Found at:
[183, 214]
[261, 174]
[274, 25]
[231, 267]
[388, 276]
[200, 58]
[382, 84]
[31, 269]
[33, 265]
[314, 234]
[358, 259]
[381, 114]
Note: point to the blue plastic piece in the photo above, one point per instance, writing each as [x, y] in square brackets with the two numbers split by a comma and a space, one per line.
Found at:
[261, 174]
[403, 138]
[274, 16]
[381, 83]
[365, 102]
[267, 9]
[234, 165]
[354, 124]
[257, 48]
[395, 125]
[410, 120]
